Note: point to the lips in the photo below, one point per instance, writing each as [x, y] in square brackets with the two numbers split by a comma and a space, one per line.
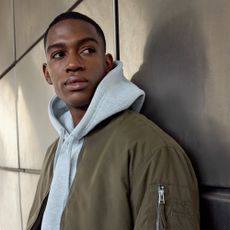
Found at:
[74, 83]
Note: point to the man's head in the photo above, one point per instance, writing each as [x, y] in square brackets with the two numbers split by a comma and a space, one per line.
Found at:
[76, 59]
[77, 16]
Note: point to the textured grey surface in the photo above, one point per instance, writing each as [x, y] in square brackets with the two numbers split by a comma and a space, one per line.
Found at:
[34, 129]
[6, 35]
[8, 126]
[178, 52]
[32, 18]
[10, 213]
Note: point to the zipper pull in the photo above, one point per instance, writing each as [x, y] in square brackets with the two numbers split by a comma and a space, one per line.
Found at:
[161, 194]
[161, 219]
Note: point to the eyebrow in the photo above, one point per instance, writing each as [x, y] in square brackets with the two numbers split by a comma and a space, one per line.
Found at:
[79, 43]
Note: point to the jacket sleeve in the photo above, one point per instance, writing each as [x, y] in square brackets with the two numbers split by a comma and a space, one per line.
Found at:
[40, 198]
[164, 192]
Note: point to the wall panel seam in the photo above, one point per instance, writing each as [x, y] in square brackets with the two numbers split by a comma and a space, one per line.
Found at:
[22, 170]
[116, 29]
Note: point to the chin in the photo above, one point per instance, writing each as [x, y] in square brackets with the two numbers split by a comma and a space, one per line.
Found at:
[79, 99]
[79, 104]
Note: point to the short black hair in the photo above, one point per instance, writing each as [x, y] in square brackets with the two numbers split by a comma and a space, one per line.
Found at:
[77, 16]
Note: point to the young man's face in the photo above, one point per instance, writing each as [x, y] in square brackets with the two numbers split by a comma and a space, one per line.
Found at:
[76, 61]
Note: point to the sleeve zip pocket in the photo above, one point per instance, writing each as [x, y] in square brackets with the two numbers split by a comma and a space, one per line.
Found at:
[161, 219]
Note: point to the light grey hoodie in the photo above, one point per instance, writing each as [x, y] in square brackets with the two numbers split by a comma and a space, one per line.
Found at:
[113, 94]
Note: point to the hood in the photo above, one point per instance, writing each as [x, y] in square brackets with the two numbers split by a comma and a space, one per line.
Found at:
[114, 94]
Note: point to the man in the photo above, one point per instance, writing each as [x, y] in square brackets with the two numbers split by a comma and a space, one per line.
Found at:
[111, 168]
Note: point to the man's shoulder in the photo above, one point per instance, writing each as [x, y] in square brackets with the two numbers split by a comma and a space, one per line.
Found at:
[134, 126]
[137, 122]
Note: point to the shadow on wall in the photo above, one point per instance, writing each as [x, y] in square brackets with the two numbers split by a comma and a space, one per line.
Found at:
[174, 74]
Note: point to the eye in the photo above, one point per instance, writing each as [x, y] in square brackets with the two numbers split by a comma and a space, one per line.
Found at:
[88, 50]
[58, 55]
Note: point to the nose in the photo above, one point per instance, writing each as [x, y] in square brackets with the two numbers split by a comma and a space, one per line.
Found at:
[74, 63]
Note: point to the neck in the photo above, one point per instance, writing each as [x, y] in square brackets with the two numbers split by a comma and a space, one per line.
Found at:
[77, 114]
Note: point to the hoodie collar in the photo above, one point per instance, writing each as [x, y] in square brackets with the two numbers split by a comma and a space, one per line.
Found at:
[113, 94]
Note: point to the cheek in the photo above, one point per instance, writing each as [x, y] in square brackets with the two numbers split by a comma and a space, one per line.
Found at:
[56, 85]
[57, 89]
[98, 76]
[55, 75]
[55, 68]
[101, 70]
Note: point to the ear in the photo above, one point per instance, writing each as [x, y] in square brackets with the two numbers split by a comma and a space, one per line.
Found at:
[46, 74]
[108, 62]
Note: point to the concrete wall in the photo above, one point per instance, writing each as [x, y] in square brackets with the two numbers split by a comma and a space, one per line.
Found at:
[177, 51]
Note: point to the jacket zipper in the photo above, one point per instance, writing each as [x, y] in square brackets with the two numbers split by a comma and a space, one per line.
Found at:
[161, 220]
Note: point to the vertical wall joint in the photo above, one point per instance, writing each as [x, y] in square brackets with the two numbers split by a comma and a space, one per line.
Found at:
[116, 29]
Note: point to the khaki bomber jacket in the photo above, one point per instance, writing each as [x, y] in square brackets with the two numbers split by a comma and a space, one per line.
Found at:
[131, 176]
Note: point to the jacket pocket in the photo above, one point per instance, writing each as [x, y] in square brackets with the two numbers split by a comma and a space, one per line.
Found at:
[174, 207]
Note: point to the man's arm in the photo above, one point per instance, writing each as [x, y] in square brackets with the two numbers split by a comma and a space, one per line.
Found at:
[164, 192]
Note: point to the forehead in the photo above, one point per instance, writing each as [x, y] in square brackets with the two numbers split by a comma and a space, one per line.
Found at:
[71, 29]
